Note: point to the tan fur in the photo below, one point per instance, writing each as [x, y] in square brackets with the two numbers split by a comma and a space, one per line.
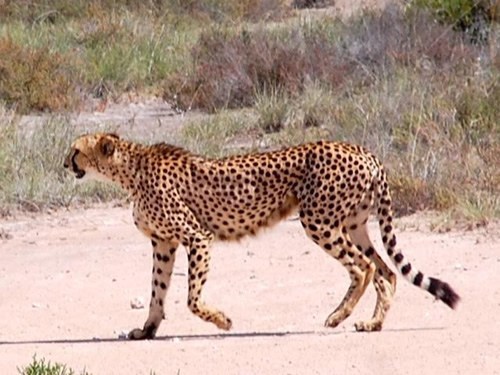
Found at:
[181, 198]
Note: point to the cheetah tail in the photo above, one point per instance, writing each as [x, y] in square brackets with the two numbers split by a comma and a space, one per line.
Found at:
[439, 289]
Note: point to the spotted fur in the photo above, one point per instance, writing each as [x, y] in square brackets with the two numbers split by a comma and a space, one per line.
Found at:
[184, 199]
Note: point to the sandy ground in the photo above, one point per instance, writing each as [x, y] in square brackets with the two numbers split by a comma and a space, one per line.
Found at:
[67, 279]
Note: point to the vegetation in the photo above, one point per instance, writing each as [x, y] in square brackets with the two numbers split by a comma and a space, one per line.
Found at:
[423, 95]
[31, 173]
[471, 16]
[41, 367]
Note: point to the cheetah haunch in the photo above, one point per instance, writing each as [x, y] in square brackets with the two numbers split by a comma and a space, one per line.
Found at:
[181, 198]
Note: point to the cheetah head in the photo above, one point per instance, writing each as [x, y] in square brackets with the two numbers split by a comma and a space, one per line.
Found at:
[91, 155]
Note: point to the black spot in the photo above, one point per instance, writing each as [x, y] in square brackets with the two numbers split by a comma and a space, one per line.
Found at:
[313, 227]
[154, 243]
[342, 254]
[392, 242]
[369, 252]
[405, 270]
[418, 279]
[388, 229]
[398, 258]
[163, 285]
[327, 246]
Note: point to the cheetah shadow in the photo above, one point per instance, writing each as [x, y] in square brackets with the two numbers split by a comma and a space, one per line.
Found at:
[216, 336]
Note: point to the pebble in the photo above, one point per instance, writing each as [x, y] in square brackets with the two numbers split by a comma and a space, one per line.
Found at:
[460, 267]
[137, 303]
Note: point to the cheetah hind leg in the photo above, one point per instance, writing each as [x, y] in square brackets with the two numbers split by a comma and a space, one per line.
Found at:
[384, 279]
[361, 270]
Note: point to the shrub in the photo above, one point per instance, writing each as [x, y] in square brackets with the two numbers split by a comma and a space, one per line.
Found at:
[229, 68]
[472, 16]
[35, 78]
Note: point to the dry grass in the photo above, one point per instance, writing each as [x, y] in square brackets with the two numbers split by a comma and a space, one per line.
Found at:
[31, 173]
[418, 93]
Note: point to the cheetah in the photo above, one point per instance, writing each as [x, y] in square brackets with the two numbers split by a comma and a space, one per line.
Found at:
[180, 198]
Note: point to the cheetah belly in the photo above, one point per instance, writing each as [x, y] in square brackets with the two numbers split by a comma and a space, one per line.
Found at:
[234, 218]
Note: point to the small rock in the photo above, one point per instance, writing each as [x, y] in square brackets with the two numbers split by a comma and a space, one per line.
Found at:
[36, 305]
[4, 235]
[137, 303]
[123, 335]
[459, 267]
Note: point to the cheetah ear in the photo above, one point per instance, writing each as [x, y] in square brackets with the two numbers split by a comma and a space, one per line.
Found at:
[106, 146]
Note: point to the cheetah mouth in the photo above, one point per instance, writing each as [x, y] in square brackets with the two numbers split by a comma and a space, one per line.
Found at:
[79, 173]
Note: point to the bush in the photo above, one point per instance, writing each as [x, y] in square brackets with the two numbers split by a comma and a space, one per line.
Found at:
[472, 16]
[230, 68]
[35, 78]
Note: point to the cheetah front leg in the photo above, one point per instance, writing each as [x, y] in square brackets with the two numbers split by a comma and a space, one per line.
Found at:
[199, 258]
[163, 263]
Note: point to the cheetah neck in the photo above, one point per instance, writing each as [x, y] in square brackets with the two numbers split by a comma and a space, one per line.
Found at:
[125, 165]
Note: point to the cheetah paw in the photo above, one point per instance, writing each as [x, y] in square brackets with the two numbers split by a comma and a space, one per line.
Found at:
[370, 326]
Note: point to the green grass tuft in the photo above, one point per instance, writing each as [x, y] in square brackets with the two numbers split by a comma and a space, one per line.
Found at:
[43, 367]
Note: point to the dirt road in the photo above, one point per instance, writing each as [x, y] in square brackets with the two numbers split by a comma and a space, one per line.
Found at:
[67, 279]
